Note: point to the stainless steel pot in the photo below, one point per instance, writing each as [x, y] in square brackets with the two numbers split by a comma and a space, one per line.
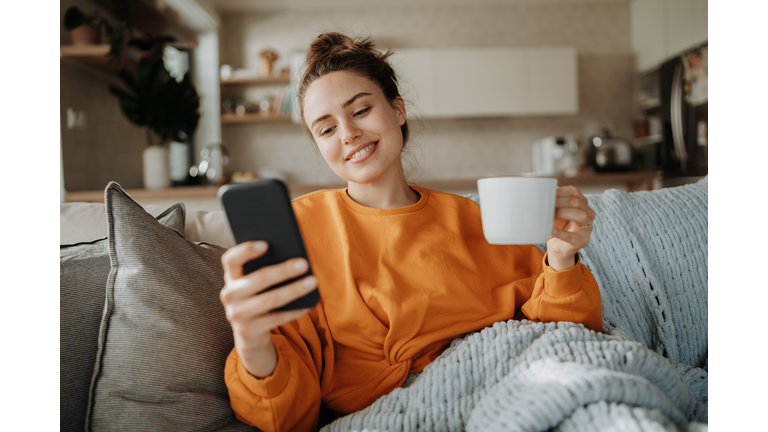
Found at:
[609, 154]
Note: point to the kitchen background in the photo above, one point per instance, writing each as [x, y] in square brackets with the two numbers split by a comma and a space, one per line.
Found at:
[618, 42]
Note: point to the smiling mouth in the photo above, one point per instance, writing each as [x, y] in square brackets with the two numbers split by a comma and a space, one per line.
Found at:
[363, 151]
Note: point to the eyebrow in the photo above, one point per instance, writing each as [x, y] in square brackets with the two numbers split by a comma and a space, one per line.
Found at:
[344, 105]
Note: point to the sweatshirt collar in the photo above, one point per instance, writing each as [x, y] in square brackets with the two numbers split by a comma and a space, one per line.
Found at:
[382, 212]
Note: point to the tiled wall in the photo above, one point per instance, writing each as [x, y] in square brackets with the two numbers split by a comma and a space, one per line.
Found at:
[444, 149]
[107, 147]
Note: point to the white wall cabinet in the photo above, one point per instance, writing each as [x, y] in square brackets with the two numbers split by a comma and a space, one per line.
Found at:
[416, 71]
[489, 82]
[552, 81]
[664, 28]
[648, 32]
[481, 82]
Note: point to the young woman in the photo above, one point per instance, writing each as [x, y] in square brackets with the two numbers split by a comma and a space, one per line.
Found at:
[402, 270]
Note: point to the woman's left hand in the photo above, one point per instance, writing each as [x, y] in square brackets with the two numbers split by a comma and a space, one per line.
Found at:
[572, 227]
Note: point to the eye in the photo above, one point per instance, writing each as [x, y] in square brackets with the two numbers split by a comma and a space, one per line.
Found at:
[362, 111]
[325, 132]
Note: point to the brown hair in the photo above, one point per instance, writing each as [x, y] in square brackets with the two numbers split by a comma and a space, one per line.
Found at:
[333, 52]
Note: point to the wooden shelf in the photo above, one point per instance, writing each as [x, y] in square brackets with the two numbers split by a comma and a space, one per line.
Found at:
[253, 118]
[95, 56]
[276, 79]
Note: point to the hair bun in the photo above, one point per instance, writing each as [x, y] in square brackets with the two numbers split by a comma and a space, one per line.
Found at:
[336, 45]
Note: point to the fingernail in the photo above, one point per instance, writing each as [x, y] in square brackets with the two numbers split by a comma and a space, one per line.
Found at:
[300, 264]
[260, 246]
[310, 281]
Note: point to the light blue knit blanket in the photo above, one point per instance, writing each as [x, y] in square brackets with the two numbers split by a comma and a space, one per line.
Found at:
[648, 371]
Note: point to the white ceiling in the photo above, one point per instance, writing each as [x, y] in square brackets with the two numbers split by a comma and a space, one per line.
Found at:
[225, 6]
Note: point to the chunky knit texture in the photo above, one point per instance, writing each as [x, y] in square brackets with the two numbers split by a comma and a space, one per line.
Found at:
[648, 253]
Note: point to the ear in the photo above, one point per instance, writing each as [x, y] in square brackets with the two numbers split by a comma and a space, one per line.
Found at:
[399, 105]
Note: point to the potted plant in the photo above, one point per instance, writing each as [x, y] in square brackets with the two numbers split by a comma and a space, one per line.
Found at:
[268, 58]
[87, 28]
[84, 28]
[169, 108]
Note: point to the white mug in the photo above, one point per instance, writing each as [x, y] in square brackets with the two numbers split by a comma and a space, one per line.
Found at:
[517, 210]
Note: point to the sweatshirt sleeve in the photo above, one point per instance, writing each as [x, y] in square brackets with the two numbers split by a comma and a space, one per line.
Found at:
[289, 399]
[567, 295]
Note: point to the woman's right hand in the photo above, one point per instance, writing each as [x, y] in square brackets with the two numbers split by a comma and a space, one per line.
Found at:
[248, 307]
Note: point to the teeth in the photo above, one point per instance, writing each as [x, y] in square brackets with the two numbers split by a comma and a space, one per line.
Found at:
[362, 152]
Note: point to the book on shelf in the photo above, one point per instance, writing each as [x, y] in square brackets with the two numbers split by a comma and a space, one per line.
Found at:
[276, 107]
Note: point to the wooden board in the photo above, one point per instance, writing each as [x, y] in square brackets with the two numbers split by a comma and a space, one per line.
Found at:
[95, 56]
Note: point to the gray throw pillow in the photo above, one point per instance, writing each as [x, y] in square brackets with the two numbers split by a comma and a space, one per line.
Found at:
[83, 272]
[164, 337]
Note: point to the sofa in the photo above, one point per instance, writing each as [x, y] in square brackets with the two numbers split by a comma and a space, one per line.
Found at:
[144, 337]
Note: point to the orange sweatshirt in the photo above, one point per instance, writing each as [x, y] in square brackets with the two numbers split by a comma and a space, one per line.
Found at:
[396, 286]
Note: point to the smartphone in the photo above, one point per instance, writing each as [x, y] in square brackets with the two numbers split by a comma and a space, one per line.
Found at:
[261, 210]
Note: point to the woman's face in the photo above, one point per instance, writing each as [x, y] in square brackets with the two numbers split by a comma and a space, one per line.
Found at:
[355, 127]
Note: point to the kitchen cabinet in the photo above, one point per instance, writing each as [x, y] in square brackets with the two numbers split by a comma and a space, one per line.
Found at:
[416, 71]
[552, 81]
[664, 28]
[481, 82]
[700, 21]
[648, 27]
[489, 82]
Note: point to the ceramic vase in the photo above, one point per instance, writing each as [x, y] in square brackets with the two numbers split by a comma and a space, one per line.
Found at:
[157, 174]
[178, 155]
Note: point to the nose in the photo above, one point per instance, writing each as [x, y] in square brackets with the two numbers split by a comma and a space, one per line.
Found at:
[350, 131]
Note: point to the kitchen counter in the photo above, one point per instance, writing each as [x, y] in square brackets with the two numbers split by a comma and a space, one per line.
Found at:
[204, 197]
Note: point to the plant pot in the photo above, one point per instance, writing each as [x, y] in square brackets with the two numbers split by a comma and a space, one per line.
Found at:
[265, 68]
[85, 35]
[157, 174]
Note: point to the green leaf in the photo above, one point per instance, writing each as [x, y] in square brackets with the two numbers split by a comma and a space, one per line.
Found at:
[166, 106]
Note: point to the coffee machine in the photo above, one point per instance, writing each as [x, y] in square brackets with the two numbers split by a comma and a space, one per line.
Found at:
[553, 156]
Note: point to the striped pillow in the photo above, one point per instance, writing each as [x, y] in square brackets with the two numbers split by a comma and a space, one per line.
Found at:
[164, 337]
[83, 272]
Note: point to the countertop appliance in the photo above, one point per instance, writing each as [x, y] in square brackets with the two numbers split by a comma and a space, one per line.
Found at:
[555, 156]
[607, 153]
